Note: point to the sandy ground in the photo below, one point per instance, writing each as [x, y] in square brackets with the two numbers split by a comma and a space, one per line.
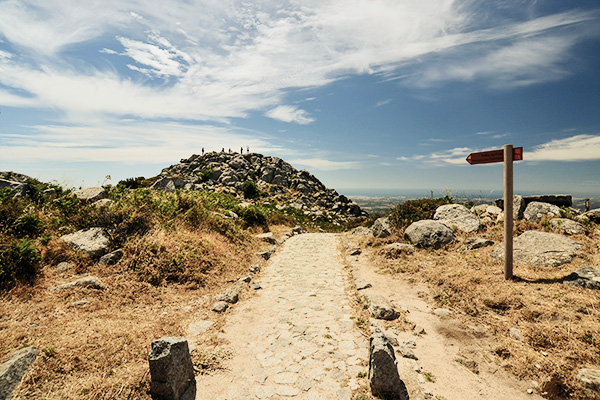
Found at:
[297, 336]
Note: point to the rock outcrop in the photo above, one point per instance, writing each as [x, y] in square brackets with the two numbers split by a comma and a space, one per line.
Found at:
[567, 226]
[226, 172]
[541, 249]
[381, 228]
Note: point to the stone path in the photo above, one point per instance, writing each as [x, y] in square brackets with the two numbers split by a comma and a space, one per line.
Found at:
[295, 338]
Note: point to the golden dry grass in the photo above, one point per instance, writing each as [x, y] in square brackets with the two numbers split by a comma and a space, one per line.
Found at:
[560, 324]
[99, 351]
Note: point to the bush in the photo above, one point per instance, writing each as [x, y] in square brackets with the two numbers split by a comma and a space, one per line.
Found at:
[250, 190]
[253, 216]
[411, 211]
[18, 261]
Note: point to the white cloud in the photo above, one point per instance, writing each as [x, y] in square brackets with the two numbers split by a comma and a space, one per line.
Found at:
[290, 114]
[325, 165]
[128, 142]
[383, 103]
[574, 148]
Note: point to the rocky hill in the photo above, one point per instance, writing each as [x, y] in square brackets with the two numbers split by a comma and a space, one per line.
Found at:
[226, 172]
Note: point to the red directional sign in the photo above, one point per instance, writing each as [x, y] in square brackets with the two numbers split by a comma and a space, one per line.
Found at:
[493, 156]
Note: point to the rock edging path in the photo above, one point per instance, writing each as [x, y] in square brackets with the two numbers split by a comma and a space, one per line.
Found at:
[296, 338]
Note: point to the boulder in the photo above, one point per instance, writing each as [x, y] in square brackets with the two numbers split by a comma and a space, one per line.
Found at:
[429, 233]
[541, 249]
[585, 276]
[381, 228]
[475, 243]
[90, 194]
[384, 379]
[13, 370]
[395, 249]
[93, 241]
[592, 215]
[168, 184]
[220, 306]
[535, 211]
[111, 258]
[567, 226]
[18, 187]
[91, 282]
[171, 370]
[457, 215]
[519, 205]
[381, 308]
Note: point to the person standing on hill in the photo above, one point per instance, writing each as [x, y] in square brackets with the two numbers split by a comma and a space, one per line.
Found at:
[242, 150]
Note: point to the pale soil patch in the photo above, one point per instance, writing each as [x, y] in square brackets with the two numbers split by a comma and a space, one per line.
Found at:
[558, 323]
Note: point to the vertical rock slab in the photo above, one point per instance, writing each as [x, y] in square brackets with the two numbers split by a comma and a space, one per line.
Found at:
[171, 370]
[383, 369]
[13, 370]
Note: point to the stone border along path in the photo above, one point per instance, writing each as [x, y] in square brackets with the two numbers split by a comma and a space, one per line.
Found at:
[295, 339]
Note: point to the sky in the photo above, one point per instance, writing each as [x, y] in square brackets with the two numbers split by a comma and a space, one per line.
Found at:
[371, 96]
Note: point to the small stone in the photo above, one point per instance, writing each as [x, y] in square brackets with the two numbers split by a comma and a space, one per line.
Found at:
[362, 284]
[91, 282]
[199, 327]
[355, 251]
[515, 333]
[64, 266]
[419, 330]
[220, 306]
[81, 303]
[529, 391]
[410, 343]
[255, 287]
[406, 353]
[111, 258]
[442, 312]
[171, 370]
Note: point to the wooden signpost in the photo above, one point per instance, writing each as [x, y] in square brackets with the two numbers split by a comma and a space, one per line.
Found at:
[506, 155]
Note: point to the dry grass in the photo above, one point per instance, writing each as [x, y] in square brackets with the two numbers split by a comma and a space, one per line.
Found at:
[559, 323]
[99, 351]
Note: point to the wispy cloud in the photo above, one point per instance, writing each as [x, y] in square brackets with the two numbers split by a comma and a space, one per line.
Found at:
[574, 148]
[326, 165]
[290, 114]
[383, 103]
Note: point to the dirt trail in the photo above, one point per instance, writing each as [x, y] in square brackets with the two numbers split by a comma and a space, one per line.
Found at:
[296, 338]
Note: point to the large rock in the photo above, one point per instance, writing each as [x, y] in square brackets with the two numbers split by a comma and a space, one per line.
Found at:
[541, 249]
[381, 228]
[585, 276]
[429, 233]
[559, 200]
[91, 193]
[457, 215]
[171, 370]
[231, 295]
[535, 211]
[519, 205]
[567, 226]
[93, 241]
[384, 379]
[111, 258]
[13, 370]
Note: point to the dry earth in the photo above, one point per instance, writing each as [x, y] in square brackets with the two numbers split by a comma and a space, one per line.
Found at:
[304, 335]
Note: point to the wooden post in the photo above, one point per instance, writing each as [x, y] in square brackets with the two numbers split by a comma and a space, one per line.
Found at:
[508, 211]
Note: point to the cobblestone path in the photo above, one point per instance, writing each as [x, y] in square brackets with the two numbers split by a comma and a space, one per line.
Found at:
[295, 339]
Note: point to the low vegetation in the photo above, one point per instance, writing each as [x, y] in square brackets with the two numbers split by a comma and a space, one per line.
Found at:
[558, 323]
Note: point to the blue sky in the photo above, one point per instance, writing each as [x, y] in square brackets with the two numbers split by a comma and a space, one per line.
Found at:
[368, 95]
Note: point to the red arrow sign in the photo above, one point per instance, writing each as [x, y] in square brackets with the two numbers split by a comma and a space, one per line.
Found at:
[493, 156]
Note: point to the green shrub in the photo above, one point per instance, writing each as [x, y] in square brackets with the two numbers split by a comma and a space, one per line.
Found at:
[253, 216]
[250, 190]
[205, 174]
[28, 225]
[402, 215]
[19, 261]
